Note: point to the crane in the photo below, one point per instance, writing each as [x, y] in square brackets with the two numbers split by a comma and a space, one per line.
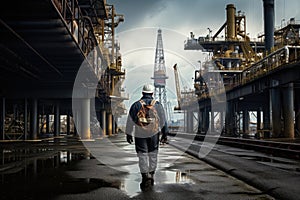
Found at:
[178, 107]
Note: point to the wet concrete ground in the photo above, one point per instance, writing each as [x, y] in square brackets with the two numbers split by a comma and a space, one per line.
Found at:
[277, 176]
[108, 170]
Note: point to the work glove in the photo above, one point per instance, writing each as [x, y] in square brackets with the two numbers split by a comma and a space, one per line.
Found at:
[129, 138]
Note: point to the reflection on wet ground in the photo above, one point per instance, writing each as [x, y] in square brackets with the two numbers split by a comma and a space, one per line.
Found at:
[31, 170]
[263, 158]
[65, 169]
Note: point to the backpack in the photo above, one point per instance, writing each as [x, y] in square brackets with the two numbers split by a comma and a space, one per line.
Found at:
[148, 119]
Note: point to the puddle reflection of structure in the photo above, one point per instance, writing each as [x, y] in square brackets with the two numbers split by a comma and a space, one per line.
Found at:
[182, 177]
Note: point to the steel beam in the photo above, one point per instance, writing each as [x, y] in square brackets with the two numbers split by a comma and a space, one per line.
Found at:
[288, 110]
[289, 73]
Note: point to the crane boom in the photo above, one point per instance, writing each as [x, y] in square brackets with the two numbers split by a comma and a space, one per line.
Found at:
[177, 88]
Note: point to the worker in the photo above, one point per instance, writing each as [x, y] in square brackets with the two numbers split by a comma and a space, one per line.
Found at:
[147, 141]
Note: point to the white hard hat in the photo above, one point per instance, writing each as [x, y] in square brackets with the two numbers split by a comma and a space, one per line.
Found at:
[148, 88]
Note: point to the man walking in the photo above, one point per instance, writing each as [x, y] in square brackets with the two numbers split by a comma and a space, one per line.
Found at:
[147, 118]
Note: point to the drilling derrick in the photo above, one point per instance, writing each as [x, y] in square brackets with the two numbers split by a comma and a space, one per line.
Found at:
[160, 72]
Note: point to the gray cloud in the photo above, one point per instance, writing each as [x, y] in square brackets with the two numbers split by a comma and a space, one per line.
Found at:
[182, 17]
[198, 15]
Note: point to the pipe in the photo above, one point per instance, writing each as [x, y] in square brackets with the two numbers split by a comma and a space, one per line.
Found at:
[287, 54]
[269, 24]
[227, 53]
[231, 30]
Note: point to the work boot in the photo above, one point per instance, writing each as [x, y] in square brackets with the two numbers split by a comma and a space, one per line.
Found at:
[152, 177]
[146, 182]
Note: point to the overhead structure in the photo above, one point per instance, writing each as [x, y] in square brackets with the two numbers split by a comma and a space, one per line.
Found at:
[43, 49]
[257, 76]
[160, 72]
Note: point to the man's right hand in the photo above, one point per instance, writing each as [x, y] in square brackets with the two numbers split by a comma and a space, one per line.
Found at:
[129, 138]
[164, 139]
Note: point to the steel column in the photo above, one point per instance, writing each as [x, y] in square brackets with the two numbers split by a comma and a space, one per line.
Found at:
[297, 110]
[229, 119]
[245, 121]
[212, 121]
[56, 121]
[77, 122]
[25, 119]
[199, 121]
[206, 119]
[190, 121]
[203, 121]
[113, 124]
[276, 112]
[203, 129]
[221, 120]
[85, 119]
[109, 123]
[34, 119]
[68, 122]
[103, 122]
[266, 116]
[47, 123]
[258, 119]
[288, 110]
[2, 123]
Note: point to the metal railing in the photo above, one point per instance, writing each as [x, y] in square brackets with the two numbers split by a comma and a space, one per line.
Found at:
[82, 30]
[274, 60]
[80, 26]
[279, 58]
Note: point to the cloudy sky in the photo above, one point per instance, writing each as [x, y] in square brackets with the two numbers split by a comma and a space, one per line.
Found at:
[177, 18]
[198, 15]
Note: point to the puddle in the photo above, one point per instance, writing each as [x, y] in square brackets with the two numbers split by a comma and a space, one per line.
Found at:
[37, 173]
[131, 184]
